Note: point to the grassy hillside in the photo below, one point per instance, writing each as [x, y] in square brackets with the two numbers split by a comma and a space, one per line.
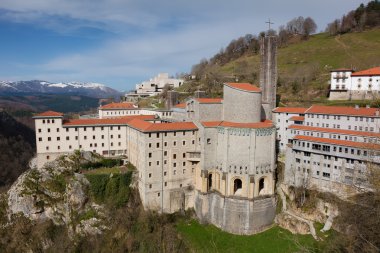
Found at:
[303, 66]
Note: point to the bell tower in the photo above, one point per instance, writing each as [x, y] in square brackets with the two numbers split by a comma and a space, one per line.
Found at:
[268, 74]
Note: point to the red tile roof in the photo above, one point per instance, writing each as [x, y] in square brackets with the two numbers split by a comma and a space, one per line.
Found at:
[182, 105]
[49, 114]
[264, 124]
[300, 110]
[343, 110]
[244, 86]
[109, 121]
[145, 126]
[334, 130]
[368, 72]
[338, 142]
[297, 118]
[209, 100]
[124, 105]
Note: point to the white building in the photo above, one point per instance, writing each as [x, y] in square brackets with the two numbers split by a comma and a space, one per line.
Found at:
[348, 84]
[155, 85]
[331, 148]
[213, 150]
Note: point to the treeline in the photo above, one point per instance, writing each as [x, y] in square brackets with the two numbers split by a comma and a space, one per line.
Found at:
[250, 44]
[17, 145]
[364, 17]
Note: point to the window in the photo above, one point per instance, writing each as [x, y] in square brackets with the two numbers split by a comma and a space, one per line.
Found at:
[76, 137]
[93, 137]
[208, 141]
[39, 130]
[85, 137]
[157, 144]
[183, 143]
[165, 153]
[49, 138]
[174, 156]
[325, 174]
[174, 165]
[165, 143]
[150, 174]
[174, 143]
[40, 139]
[150, 155]
[48, 130]
[67, 138]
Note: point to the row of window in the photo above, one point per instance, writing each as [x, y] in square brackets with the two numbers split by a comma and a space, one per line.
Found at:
[166, 133]
[338, 117]
[76, 137]
[91, 145]
[76, 129]
[327, 148]
[174, 144]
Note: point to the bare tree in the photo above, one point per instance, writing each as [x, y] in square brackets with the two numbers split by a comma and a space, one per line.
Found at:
[309, 27]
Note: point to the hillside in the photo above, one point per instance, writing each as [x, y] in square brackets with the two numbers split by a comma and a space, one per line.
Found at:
[17, 145]
[303, 66]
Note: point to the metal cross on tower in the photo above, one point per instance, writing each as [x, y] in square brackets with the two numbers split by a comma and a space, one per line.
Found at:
[269, 23]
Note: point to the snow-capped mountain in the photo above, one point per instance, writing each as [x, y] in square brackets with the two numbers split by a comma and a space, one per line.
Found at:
[76, 88]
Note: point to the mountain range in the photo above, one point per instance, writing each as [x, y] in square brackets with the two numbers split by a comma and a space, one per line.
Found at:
[96, 90]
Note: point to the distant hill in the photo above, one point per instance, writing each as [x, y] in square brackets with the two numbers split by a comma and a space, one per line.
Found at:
[24, 104]
[73, 88]
[303, 66]
[17, 145]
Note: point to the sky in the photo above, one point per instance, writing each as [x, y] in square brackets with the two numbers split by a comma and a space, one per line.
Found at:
[123, 42]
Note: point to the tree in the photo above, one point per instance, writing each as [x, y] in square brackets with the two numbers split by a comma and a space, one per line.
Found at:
[309, 27]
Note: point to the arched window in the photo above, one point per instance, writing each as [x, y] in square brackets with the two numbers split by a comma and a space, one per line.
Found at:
[237, 186]
[261, 185]
[209, 182]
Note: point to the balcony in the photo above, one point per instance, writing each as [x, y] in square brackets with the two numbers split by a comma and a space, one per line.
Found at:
[194, 156]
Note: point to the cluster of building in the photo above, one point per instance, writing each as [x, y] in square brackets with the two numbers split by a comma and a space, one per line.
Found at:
[219, 155]
[329, 148]
[347, 84]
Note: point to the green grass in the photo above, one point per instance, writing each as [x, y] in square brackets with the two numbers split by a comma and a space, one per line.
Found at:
[308, 63]
[208, 238]
[113, 170]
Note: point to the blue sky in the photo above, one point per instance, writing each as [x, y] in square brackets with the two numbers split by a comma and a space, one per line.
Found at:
[123, 42]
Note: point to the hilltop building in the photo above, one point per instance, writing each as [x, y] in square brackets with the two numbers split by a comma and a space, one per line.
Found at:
[154, 86]
[346, 84]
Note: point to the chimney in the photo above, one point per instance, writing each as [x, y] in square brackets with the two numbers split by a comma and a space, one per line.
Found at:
[367, 106]
[377, 113]
[356, 107]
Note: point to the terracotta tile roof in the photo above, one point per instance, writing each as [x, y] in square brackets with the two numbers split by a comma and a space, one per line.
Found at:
[263, 124]
[49, 114]
[297, 118]
[211, 123]
[209, 100]
[109, 121]
[145, 126]
[368, 72]
[182, 105]
[300, 110]
[343, 110]
[334, 130]
[124, 105]
[338, 142]
[244, 86]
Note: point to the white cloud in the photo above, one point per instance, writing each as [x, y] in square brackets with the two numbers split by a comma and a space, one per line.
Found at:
[167, 35]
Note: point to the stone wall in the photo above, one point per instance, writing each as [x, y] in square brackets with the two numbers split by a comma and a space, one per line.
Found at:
[234, 215]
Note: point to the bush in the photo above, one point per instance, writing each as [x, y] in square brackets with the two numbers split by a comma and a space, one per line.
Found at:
[113, 190]
[105, 162]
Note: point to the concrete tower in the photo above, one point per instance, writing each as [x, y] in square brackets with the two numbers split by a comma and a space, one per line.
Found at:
[268, 74]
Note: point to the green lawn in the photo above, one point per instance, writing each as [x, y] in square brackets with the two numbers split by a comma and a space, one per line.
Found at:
[208, 238]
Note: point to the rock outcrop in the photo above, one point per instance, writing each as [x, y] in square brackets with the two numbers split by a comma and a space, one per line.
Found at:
[58, 193]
